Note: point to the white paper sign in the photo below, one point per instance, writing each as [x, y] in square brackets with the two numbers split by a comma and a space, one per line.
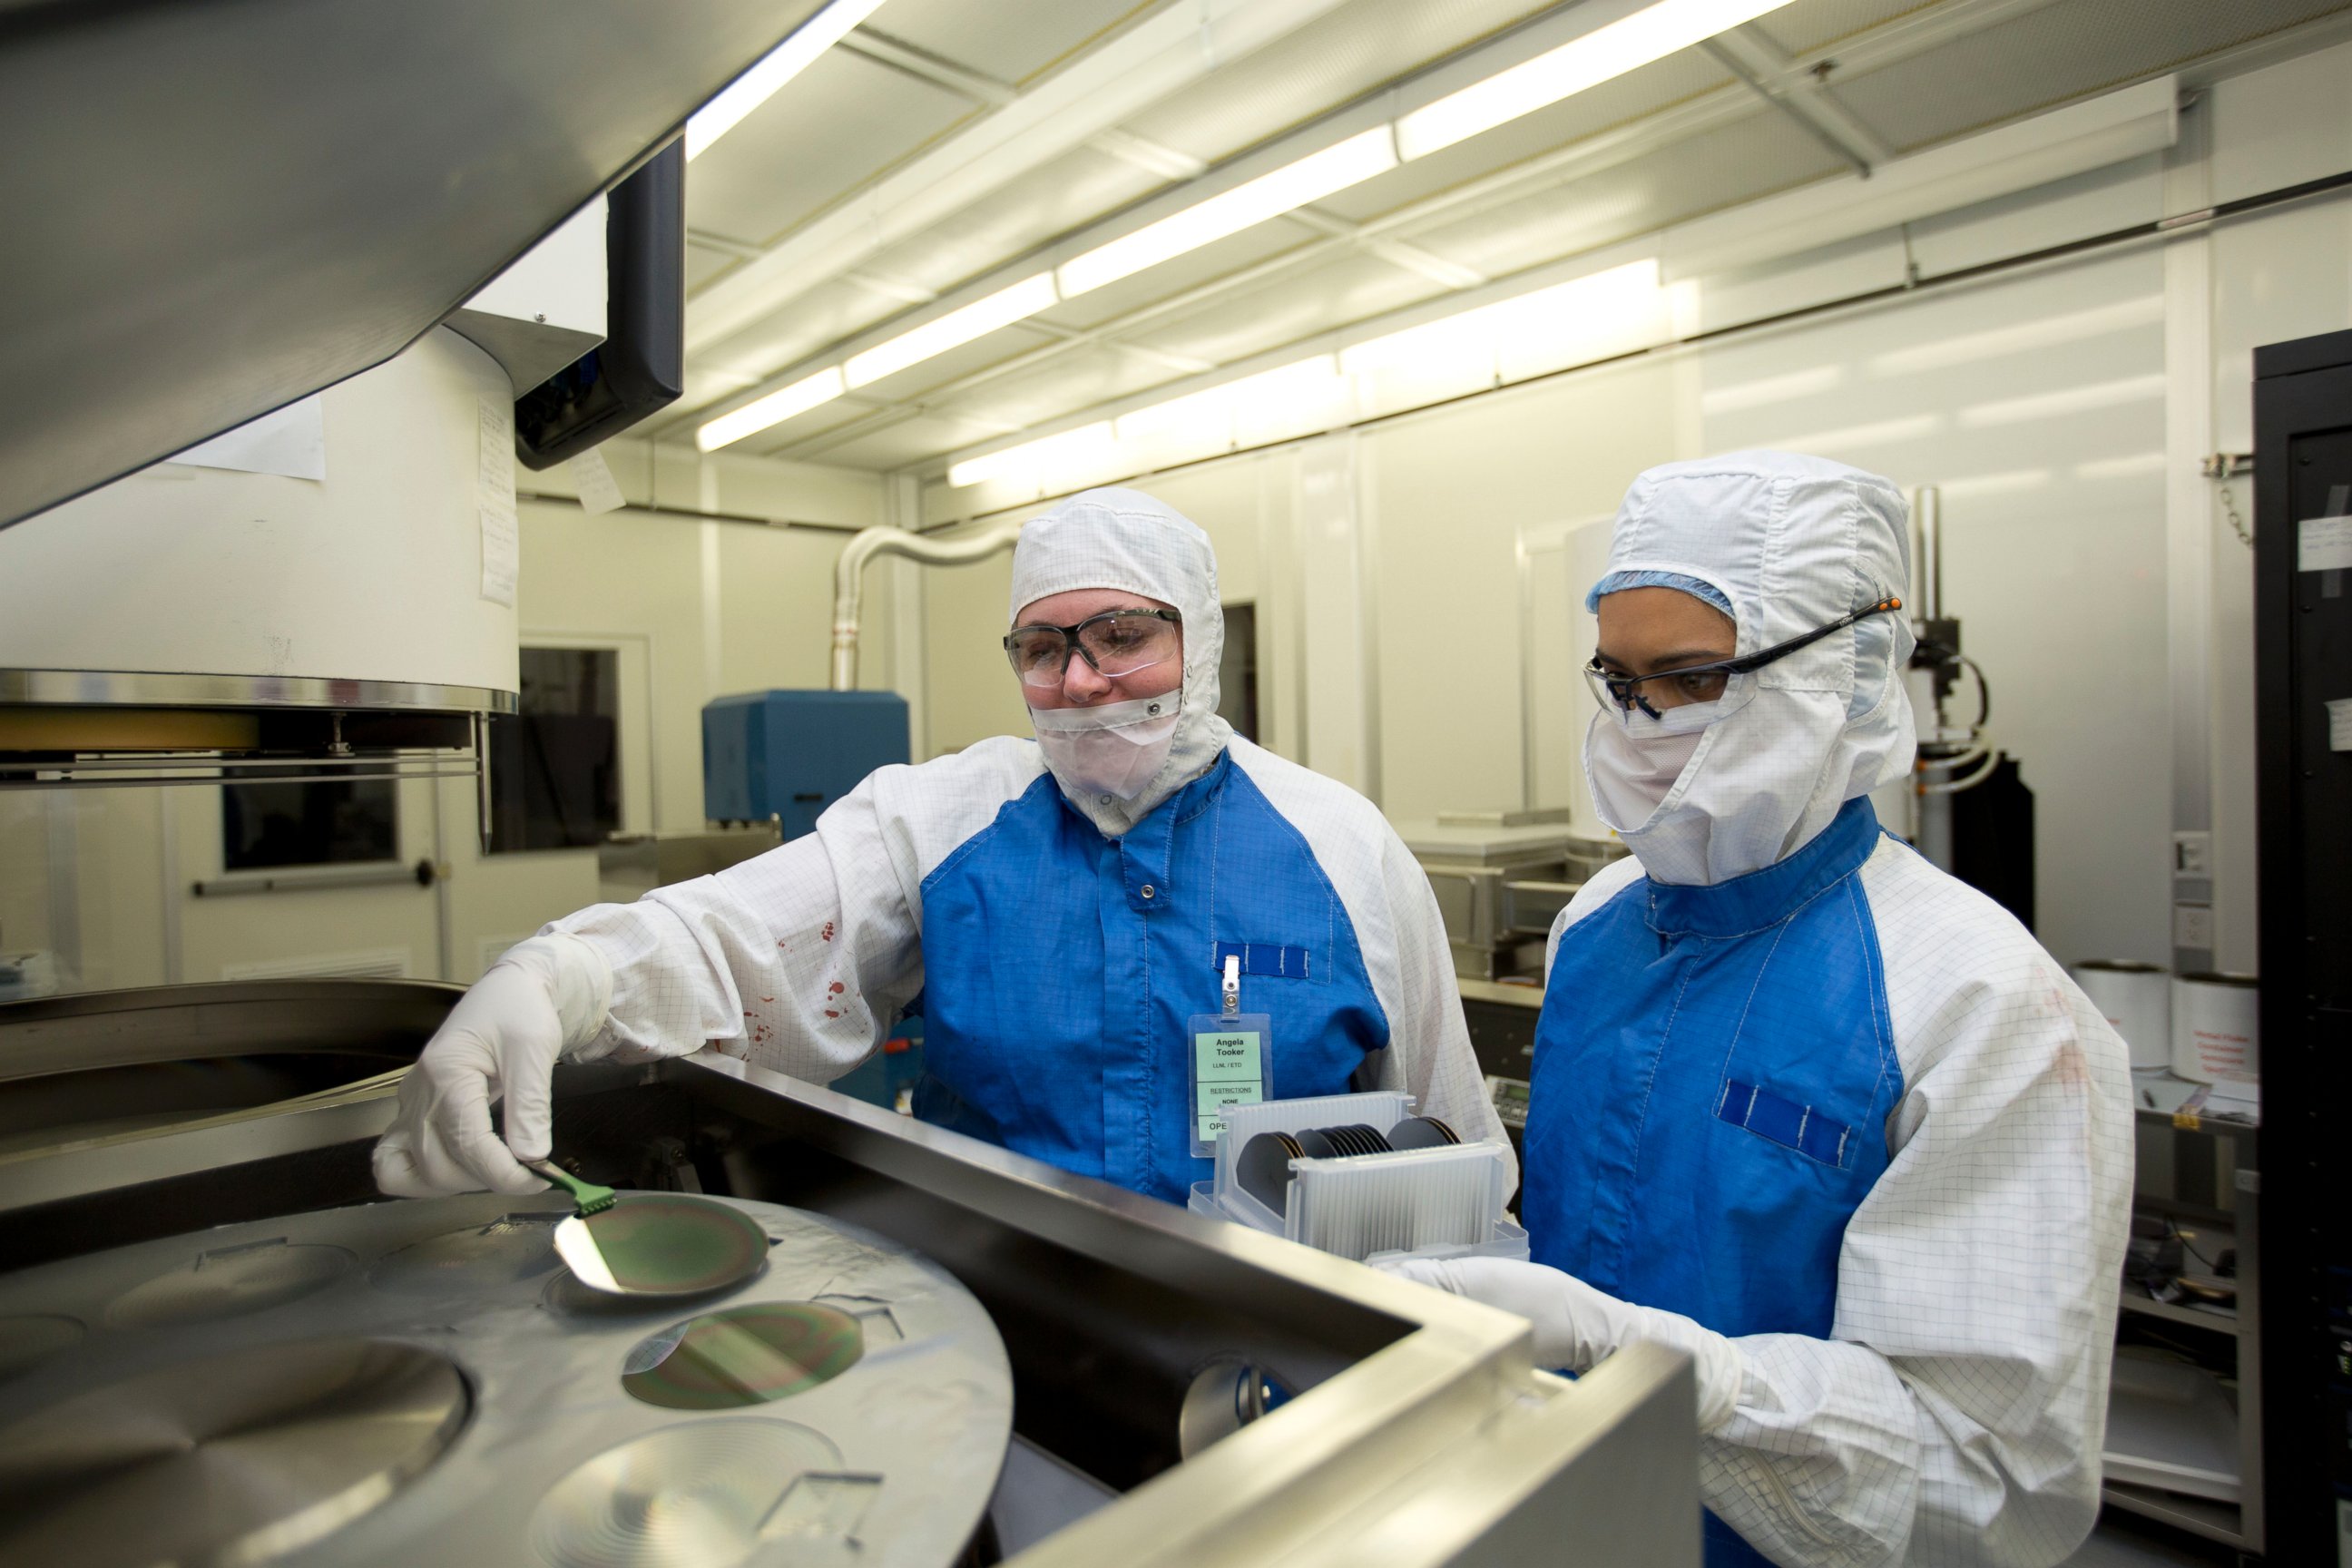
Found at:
[593, 478]
[293, 442]
[2339, 724]
[2323, 544]
[494, 495]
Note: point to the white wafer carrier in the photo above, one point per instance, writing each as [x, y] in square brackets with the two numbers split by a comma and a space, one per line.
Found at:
[1426, 1203]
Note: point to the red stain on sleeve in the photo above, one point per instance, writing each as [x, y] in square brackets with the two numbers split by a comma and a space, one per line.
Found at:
[825, 935]
[831, 1013]
[835, 989]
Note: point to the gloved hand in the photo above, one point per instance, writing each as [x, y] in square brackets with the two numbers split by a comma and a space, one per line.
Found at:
[1577, 1327]
[502, 1038]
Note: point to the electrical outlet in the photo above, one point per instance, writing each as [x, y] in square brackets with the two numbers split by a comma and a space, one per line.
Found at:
[2192, 854]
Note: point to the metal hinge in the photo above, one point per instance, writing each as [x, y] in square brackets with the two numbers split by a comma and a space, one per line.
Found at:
[2227, 465]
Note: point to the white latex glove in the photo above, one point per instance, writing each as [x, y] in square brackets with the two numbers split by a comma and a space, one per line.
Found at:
[1577, 1327]
[502, 1038]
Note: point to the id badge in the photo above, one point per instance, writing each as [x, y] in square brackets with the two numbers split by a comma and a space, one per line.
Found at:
[1229, 1053]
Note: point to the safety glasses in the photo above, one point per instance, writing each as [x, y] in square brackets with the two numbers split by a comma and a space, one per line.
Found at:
[1116, 643]
[1706, 683]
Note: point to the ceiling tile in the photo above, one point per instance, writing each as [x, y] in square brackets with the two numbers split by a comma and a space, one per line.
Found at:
[1066, 193]
[1080, 378]
[1010, 43]
[904, 445]
[1733, 164]
[833, 128]
[1332, 60]
[2051, 56]
[1345, 287]
[1808, 26]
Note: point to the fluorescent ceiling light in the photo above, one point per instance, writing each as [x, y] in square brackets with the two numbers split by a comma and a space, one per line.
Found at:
[1582, 308]
[951, 330]
[777, 67]
[1311, 178]
[774, 409]
[1649, 34]
[1033, 461]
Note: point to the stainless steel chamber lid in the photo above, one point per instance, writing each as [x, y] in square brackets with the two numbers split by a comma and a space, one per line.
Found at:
[851, 1391]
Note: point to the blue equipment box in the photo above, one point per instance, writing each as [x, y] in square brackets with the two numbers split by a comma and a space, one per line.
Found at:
[790, 754]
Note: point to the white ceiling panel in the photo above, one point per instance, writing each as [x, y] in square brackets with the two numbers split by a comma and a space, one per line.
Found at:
[2053, 54]
[1079, 378]
[703, 264]
[1738, 162]
[822, 316]
[837, 124]
[1346, 287]
[903, 445]
[1811, 24]
[1069, 193]
[1011, 43]
[1592, 113]
[1672, 140]
[1330, 61]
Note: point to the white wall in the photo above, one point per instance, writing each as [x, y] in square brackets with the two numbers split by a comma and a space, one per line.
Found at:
[2037, 400]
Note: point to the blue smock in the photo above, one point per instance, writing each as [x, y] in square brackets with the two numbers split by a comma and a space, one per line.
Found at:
[1715, 1067]
[1060, 968]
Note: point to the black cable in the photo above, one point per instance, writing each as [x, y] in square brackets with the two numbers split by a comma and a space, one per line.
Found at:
[1984, 689]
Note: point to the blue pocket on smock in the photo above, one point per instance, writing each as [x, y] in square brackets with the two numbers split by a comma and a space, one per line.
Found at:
[1784, 1122]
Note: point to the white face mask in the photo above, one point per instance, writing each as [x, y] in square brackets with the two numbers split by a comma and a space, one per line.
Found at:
[1631, 773]
[1113, 749]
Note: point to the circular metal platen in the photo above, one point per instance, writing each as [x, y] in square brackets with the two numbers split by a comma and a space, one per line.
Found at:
[239, 1458]
[662, 1244]
[228, 1282]
[743, 1356]
[508, 1250]
[26, 1340]
[1423, 1132]
[706, 1495]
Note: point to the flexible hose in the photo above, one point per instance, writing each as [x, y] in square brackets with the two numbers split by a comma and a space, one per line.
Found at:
[849, 577]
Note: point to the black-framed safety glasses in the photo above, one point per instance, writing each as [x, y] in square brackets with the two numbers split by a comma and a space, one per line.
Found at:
[1706, 683]
[1116, 643]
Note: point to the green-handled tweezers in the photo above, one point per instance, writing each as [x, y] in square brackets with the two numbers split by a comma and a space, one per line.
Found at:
[590, 1197]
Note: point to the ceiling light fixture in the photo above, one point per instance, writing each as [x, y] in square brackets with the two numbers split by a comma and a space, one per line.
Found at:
[1311, 178]
[1627, 43]
[774, 69]
[1036, 462]
[954, 330]
[774, 409]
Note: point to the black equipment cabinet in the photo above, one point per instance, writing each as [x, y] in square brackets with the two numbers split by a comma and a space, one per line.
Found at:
[2303, 654]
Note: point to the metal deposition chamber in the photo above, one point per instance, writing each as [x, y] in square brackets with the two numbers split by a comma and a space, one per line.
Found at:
[954, 1354]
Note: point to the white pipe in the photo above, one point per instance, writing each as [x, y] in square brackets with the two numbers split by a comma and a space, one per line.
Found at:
[849, 577]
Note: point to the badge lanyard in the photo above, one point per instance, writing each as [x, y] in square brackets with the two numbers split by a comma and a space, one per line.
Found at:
[1230, 1051]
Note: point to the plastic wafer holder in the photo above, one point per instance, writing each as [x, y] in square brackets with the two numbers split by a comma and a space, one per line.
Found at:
[1444, 1202]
